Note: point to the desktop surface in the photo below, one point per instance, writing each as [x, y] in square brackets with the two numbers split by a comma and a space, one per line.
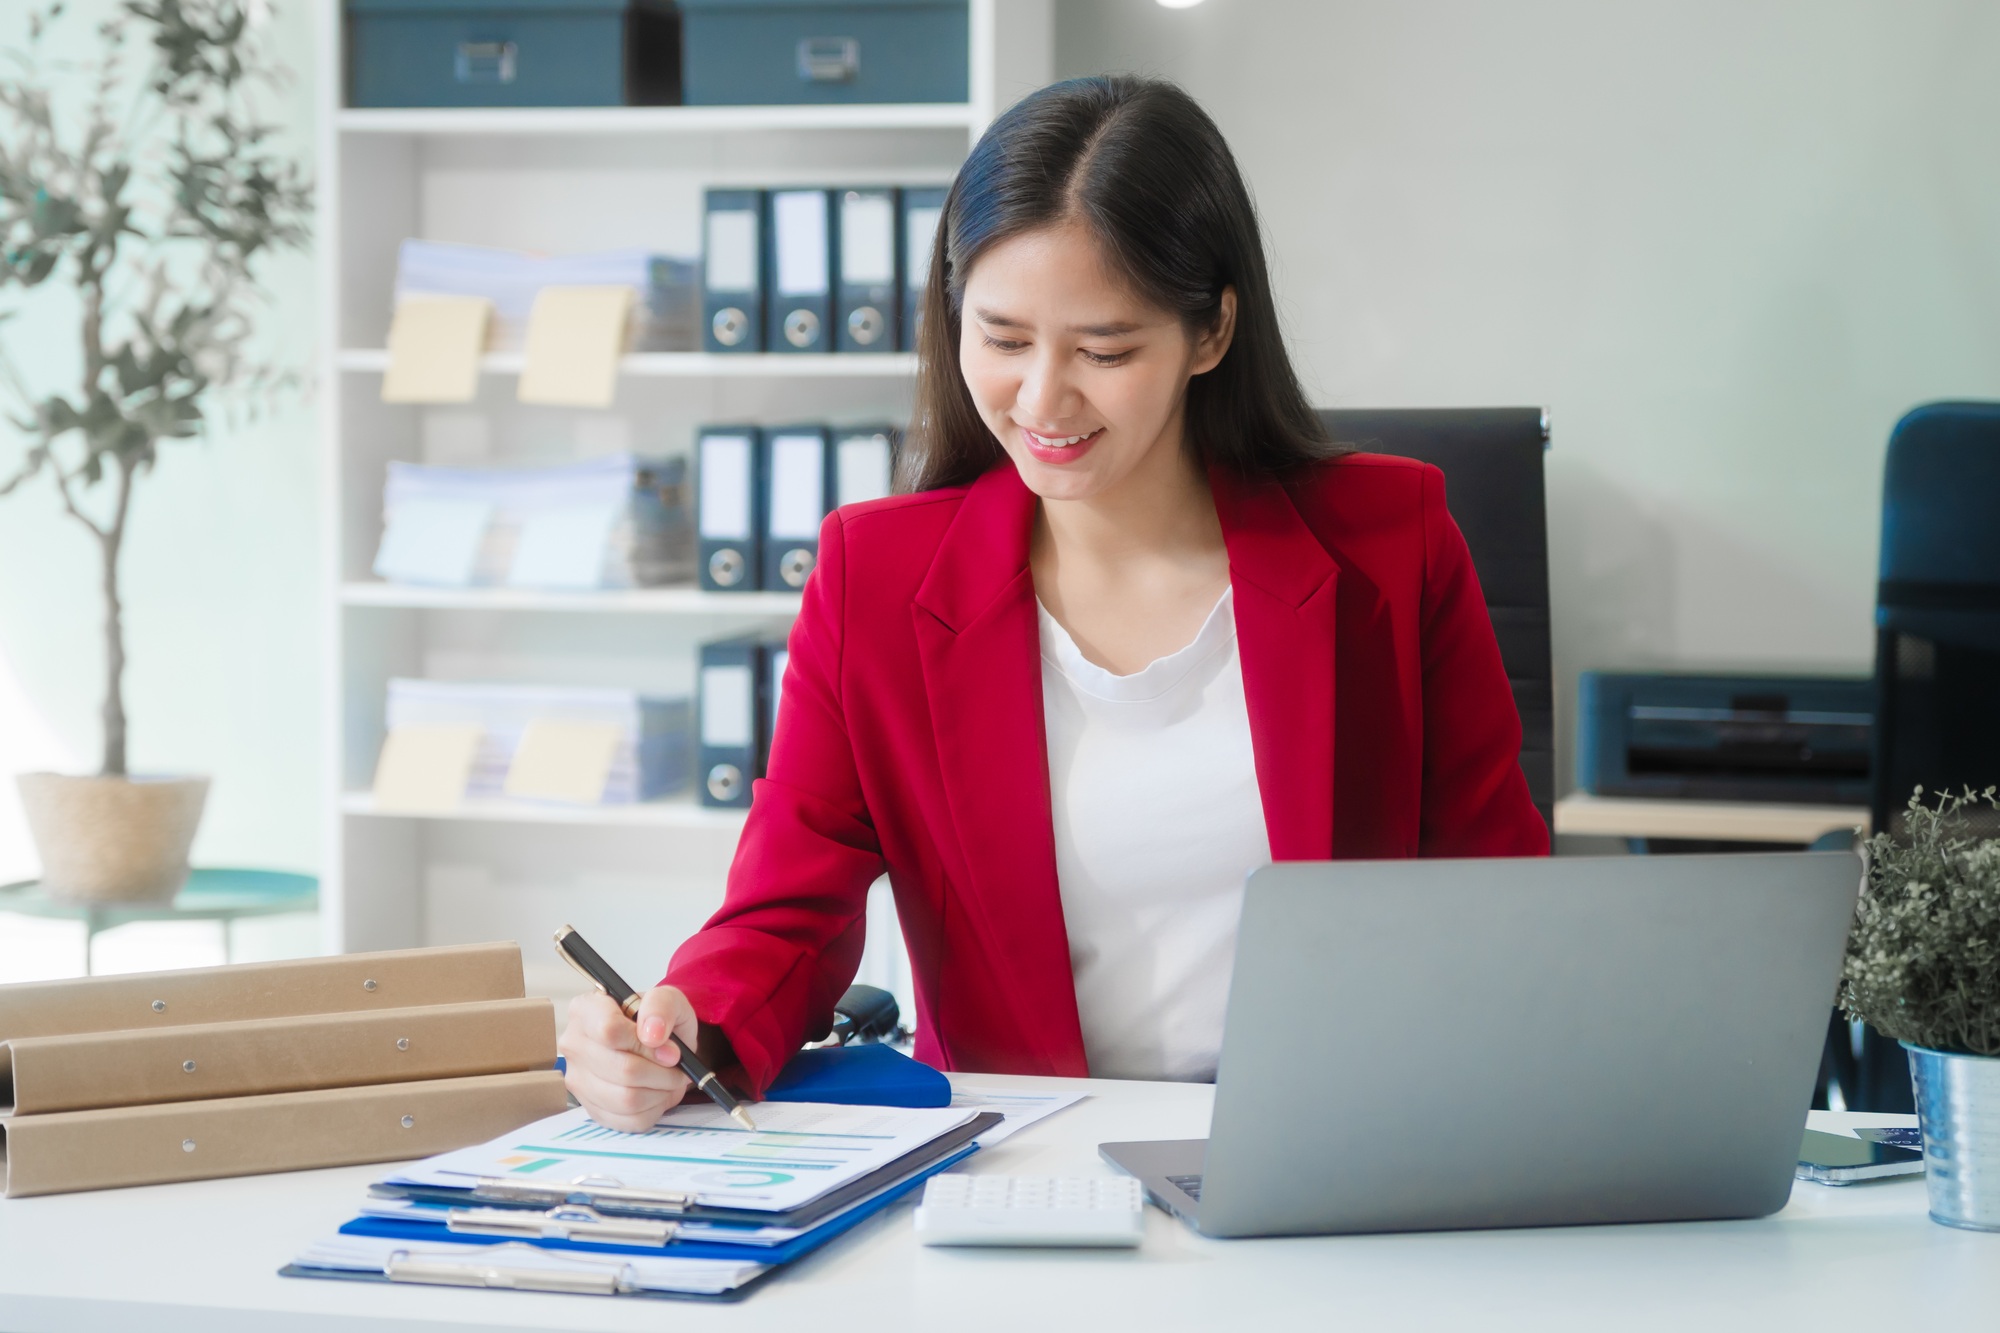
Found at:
[204, 1256]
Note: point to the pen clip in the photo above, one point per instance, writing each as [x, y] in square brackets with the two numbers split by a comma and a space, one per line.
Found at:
[570, 958]
[592, 1276]
[565, 1221]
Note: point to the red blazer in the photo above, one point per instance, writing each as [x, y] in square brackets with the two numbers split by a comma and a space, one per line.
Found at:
[911, 740]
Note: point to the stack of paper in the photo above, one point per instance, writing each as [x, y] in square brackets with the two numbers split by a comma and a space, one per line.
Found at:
[666, 310]
[619, 521]
[696, 1206]
[545, 742]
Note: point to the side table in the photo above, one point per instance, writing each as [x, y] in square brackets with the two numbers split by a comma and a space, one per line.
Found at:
[216, 894]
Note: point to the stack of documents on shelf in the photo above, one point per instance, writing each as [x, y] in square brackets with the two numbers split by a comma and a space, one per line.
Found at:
[697, 1206]
[619, 521]
[189, 1075]
[581, 745]
[666, 309]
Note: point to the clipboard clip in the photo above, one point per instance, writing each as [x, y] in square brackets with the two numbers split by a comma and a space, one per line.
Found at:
[589, 1190]
[591, 1276]
[567, 1221]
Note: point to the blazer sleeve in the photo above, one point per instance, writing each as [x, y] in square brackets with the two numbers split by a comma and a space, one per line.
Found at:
[1475, 797]
[768, 967]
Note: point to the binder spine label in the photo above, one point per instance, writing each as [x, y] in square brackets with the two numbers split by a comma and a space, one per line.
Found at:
[801, 234]
[868, 312]
[732, 303]
[798, 493]
[730, 723]
[728, 504]
[921, 212]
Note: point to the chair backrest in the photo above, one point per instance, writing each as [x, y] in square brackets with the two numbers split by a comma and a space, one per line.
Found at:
[1491, 458]
[1937, 612]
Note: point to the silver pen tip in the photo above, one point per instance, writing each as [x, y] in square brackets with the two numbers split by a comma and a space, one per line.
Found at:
[742, 1117]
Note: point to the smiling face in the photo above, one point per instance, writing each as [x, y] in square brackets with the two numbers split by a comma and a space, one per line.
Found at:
[1080, 379]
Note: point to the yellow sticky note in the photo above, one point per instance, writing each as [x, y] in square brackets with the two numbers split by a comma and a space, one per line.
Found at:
[434, 347]
[424, 769]
[575, 337]
[563, 761]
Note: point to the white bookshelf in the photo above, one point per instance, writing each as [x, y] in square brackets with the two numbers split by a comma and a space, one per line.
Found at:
[610, 601]
[686, 365]
[636, 879]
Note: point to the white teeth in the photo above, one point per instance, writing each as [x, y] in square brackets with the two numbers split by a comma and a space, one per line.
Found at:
[1064, 442]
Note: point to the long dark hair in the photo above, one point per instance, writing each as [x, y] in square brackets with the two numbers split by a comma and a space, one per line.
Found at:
[1140, 164]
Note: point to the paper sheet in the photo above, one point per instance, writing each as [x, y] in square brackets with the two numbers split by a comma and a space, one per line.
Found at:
[434, 347]
[433, 541]
[565, 547]
[575, 337]
[801, 1150]
[1021, 1108]
[371, 1254]
[424, 769]
[559, 760]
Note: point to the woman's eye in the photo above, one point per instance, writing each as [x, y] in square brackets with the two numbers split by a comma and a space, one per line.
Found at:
[1001, 344]
[1103, 358]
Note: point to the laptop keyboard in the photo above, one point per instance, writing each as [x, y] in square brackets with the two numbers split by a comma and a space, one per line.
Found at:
[1188, 1185]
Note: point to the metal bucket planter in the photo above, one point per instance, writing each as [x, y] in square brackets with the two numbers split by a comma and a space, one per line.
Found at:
[1958, 1101]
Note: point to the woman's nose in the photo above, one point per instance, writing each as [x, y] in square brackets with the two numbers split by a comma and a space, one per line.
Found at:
[1046, 393]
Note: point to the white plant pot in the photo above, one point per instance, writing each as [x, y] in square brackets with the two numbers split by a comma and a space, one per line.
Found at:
[113, 839]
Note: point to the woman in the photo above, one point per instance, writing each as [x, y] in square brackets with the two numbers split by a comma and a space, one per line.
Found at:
[1136, 630]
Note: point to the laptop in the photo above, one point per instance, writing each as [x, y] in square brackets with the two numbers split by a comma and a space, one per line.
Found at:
[1433, 1045]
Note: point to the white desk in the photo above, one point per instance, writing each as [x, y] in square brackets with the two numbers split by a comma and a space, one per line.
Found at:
[204, 1257]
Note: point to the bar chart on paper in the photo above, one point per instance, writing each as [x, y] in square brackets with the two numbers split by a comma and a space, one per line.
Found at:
[799, 1152]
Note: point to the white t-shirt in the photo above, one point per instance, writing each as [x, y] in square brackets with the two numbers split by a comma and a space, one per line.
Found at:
[1157, 822]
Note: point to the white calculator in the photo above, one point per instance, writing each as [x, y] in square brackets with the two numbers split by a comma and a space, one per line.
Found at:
[1032, 1210]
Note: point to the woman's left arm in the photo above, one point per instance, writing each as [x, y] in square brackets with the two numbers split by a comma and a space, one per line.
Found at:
[1475, 797]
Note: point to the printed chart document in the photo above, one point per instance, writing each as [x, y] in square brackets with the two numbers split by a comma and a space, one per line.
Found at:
[1022, 1108]
[800, 1151]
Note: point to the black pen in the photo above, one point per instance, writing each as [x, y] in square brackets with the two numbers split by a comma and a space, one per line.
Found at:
[576, 951]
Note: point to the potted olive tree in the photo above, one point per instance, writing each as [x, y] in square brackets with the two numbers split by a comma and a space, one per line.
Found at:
[141, 195]
[1923, 967]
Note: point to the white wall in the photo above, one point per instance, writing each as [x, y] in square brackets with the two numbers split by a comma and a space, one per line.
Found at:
[1727, 244]
[220, 571]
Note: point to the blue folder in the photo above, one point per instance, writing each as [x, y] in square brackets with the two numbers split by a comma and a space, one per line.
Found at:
[859, 1076]
[781, 1253]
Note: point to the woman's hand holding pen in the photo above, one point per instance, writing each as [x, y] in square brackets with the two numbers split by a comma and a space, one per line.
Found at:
[625, 1073]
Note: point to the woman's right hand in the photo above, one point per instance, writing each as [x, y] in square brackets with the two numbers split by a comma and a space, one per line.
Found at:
[627, 1073]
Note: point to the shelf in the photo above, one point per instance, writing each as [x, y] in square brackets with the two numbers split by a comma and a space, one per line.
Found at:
[612, 601]
[1724, 821]
[689, 365]
[675, 812]
[655, 120]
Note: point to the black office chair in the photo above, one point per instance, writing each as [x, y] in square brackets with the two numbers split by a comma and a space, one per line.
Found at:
[1937, 613]
[1492, 462]
[1937, 660]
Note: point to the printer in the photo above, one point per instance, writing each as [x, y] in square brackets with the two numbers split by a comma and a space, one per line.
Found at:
[1802, 739]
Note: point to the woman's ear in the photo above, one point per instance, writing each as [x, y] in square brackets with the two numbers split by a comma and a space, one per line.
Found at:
[1212, 344]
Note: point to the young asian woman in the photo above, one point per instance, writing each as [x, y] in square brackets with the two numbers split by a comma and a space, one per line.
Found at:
[1134, 628]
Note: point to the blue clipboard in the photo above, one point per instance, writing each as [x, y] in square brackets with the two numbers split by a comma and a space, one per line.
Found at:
[781, 1253]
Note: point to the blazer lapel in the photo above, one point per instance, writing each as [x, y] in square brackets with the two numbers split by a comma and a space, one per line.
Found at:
[980, 645]
[1284, 581]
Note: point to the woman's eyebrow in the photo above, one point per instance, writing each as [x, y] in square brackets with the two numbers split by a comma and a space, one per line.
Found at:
[1113, 330]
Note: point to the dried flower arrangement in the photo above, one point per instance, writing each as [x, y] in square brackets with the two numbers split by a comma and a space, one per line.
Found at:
[1923, 958]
